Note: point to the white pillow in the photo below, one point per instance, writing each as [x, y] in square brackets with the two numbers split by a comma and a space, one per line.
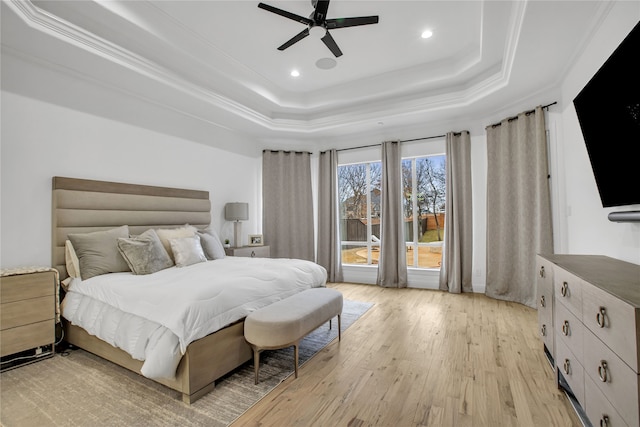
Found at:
[211, 244]
[187, 250]
[174, 233]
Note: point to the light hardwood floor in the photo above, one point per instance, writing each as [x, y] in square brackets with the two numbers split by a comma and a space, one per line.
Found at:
[423, 358]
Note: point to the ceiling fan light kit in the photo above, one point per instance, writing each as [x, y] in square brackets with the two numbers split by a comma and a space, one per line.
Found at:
[318, 24]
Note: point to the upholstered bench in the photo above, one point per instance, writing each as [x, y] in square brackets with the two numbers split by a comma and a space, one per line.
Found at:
[284, 323]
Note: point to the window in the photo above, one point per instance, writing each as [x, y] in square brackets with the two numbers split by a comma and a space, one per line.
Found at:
[423, 182]
[359, 189]
[359, 192]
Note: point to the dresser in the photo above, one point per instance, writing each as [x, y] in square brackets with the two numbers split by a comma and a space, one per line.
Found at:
[592, 305]
[249, 251]
[27, 313]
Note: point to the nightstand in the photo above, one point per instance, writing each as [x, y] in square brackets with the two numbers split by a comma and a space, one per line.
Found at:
[249, 251]
[27, 314]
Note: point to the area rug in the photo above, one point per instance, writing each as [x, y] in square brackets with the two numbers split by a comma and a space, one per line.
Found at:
[80, 389]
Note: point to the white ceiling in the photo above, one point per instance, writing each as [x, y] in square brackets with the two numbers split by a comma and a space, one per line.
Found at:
[217, 62]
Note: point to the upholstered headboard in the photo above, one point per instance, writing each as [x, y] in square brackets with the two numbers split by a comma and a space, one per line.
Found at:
[83, 206]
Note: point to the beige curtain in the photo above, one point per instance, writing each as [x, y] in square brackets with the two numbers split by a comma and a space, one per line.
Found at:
[329, 250]
[456, 268]
[518, 206]
[392, 263]
[287, 204]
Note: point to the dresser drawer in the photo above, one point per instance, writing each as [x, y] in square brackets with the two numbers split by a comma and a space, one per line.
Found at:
[568, 290]
[544, 293]
[26, 337]
[599, 410]
[545, 329]
[26, 311]
[570, 330]
[571, 369]
[24, 286]
[613, 321]
[614, 378]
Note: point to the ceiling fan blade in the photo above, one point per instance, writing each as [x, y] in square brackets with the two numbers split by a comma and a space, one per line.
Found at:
[320, 13]
[295, 39]
[332, 45]
[286, 14]
[350, 22]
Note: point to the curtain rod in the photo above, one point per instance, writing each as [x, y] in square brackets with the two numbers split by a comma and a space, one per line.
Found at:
[403, 140]
[287, 151]
[526, 112]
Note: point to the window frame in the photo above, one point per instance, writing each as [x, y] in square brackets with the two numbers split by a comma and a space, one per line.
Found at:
[427, 147]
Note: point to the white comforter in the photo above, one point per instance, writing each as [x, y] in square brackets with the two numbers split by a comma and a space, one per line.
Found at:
[155, 317]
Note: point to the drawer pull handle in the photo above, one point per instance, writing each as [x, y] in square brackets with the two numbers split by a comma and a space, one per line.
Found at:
[564, 289]
[566, 366]
[602, 371]
[542, 302]
[542, 271]
[600, 316]
[543, 330]
[565, 328]
[604, 421]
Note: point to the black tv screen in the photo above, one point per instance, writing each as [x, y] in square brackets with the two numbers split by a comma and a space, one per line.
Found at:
[608, 110]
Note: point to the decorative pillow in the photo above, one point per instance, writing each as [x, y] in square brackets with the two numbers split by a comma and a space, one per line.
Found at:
[98, 252]
[211, 244]
[187, 250]
[174, 233]
[71, 260]
[144, 253]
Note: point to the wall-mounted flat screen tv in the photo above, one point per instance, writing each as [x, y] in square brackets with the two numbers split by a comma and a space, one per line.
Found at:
[608, 110]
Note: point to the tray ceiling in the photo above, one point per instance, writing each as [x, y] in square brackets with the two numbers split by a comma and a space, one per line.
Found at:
[217, 61]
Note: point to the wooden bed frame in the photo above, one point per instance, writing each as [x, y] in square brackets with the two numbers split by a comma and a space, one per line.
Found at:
[82, 206]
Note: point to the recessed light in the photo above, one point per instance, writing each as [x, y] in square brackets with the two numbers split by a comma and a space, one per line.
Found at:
[426, 34]
[295, 73]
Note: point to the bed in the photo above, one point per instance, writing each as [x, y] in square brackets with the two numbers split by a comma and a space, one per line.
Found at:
[83, 206]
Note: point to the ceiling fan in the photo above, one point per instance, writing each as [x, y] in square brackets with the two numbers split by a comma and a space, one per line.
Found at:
[318, 21]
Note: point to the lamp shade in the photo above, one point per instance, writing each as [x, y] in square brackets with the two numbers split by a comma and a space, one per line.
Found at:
[236, 211]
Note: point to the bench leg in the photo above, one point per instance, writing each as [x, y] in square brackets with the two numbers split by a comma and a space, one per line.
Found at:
[339, 327]
[295, 357]
[256, 363]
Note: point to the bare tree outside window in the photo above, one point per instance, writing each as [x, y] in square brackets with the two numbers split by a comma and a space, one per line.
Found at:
[423, 205]
[359, 194]
[423, 185]
[431, 188]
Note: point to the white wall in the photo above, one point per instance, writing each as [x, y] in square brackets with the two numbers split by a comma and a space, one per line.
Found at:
[41, 140]
[585, 228]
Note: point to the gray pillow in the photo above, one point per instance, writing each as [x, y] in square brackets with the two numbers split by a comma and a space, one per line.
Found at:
[145, 253]
[211, 244]
[187, 251]
[98, 252]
